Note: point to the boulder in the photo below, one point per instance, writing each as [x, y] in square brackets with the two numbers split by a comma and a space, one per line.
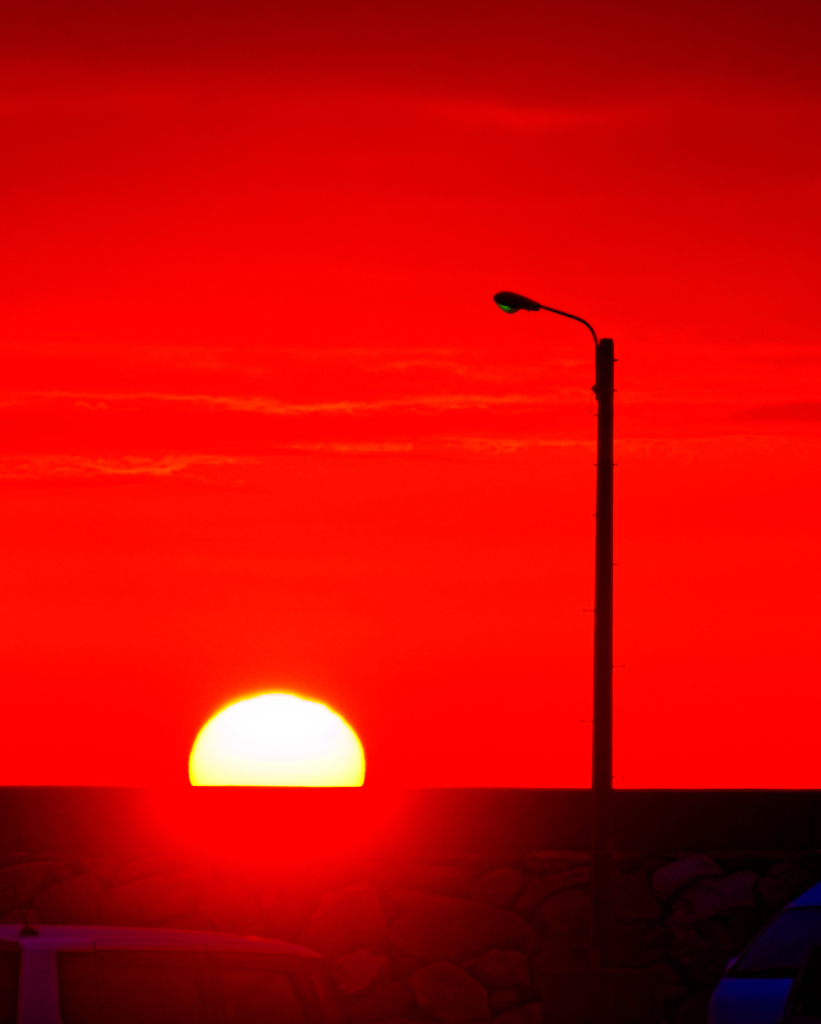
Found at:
[345, 920]
[530, 1014]
[632, 898]
[440, 879]
[567, 911]
[148, 901]
[551, 862]
[26, 880]
[144, 867]
[672, 987]
[361, 971]
[782, 883]
[73, 901]
[394, 1000]
[503, 999]
[445, 928]
[715, 896]
[547, 885]
[499, 887]
[502, 969]
[668, 880]
[449, 994]
[230, 909]
[694, 1009]
[16, 917]
[287, 909]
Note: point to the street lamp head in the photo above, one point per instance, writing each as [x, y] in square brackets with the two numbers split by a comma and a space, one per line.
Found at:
[510, 302]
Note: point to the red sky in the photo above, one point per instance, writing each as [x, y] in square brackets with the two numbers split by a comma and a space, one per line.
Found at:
[261, 425]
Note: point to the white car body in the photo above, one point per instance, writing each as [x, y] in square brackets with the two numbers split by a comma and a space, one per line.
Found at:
[38, 989]
[756, 984]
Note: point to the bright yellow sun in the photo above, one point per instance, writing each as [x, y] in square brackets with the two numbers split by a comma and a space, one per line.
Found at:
[277, 739]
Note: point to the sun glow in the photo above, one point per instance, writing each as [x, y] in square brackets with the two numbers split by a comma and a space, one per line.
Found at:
[277, 739]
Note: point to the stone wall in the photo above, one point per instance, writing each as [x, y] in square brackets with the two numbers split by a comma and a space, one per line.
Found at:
[450, 939]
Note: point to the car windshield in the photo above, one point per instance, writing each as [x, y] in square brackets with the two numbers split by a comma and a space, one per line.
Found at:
[781, 948]
[169, 987]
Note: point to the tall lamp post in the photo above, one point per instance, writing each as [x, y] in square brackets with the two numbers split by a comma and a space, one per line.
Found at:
[602, 824]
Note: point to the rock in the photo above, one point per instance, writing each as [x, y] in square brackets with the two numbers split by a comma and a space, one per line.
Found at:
[667, 881]
[230, 909]
[445, 928]
[501, 969]
[715, 896]
[637, 944]
[567, 911]
[145, 902]
[551, 862]
[194, 923]
[782, 883]
[449, 994]
[73, 901]
[394, 1000]
[439, 879]
[530, 1014]
[27, 880]
[540, 888]
[345, 920]
[195, 879]
[672, 987]
[558, 953]
[499, 887]
[632, 898]
[143, 867]
[694, 1009]
[701, 954]
[504, 999]
[287, 909]
[16, 917]
[361, 971]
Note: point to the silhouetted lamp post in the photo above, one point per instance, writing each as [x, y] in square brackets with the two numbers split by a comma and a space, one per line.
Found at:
[602, 838]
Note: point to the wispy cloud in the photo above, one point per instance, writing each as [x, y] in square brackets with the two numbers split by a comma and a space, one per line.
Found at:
[268, 406]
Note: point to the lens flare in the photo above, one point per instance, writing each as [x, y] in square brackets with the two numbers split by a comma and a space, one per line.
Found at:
[277, 739]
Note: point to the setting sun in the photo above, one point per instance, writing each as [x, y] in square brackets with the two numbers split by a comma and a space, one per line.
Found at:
[277, 739]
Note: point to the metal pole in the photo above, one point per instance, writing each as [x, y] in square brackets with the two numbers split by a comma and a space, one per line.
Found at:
[601, 861]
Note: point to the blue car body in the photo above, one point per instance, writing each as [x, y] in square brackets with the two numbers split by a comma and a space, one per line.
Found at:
[756, 984]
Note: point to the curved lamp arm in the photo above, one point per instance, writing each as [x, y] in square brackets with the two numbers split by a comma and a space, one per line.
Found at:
[510, 302]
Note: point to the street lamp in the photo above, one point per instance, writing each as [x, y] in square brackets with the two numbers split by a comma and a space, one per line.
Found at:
[602, 825]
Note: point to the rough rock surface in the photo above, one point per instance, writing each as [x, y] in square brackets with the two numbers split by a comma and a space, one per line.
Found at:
[444, 928]
[73, 901]
[230, 909]
[441, 879]
[672, 987]
[149, 901]
[499, 887]
[529, 1014]
[547, 885]
[668, 880]
[566, 911]
[502, 968]
[449, 994]
[633, 900]
[715, 896]
[782, 883]
[345, 920]
[26, 880]
[144, 867]
[550, 862]
[360, 972]
[394, 1000]
[503, 999]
